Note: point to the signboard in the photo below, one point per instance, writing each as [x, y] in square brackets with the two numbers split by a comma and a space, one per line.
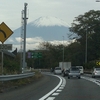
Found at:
[34, 55]
[5, 46]
[98, 63]
[5, 32]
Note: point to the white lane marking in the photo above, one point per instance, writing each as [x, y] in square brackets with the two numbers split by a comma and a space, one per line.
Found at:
[61, 87]
[55, 94]
[48, 94]
[50, 98]
[58, 90]
[92, 80]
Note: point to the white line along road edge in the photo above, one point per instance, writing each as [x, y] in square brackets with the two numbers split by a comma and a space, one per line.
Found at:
[92, 80]
[57, 87]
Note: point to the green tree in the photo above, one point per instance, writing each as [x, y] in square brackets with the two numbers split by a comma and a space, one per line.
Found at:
[88, 25]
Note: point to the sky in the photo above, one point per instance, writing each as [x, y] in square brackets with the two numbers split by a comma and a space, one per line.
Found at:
[67, 10]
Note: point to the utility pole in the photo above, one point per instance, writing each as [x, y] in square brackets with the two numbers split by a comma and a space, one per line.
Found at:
[86, 49]
[63, 48]
[63, 52]
[24, 44]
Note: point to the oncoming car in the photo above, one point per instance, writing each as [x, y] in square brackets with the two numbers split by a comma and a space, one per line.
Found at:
[57, 70]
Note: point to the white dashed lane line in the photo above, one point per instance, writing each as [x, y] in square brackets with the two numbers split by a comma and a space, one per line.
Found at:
[55, 94]
[50, 98]
[56, 91]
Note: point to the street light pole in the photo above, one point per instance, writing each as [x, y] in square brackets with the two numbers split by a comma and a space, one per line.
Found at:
[63, 53]
[86, 49]
[63, 48]
[24, 46]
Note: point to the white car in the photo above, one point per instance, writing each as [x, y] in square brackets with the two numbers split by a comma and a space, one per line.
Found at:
[74, 72]
[81, 69]
[96, 72]
[57, 70]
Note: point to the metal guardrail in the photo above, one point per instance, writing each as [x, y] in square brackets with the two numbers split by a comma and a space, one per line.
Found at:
[14, 77]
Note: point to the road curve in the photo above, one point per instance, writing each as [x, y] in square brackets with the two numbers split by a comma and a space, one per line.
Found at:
[80, 89]
[33, 91]
[56, 91]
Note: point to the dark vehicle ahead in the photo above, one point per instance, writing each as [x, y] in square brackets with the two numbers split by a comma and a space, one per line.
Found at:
[65, 73]
[74, 72]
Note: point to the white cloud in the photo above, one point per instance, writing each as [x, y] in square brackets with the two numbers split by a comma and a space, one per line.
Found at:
[18, 39]
[56, 42]
[32, 46]
[33, 43]
[34, 40]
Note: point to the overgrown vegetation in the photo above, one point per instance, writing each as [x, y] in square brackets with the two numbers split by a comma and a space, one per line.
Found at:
[8, 85]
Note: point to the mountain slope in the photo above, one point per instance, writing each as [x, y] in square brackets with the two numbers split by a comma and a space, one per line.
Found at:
[43, 29]
[49, 21]
[49, 28]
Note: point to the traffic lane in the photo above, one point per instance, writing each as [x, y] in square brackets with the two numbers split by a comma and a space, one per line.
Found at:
[79, 89]
[33, 91]
[90, 76]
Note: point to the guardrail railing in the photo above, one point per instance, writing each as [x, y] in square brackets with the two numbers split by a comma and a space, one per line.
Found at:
[14, 77]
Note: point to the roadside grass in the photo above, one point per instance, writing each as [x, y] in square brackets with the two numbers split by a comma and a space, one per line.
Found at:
[8, 85]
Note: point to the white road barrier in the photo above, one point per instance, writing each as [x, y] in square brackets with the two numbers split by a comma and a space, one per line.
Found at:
[14, 77]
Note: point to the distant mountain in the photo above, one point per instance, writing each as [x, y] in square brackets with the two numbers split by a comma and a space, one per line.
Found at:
[49, 21]
[47, 28]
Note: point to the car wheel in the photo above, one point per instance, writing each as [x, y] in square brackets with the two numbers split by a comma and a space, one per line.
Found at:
[63, 74]
[79, 77]
[93, 76]
[68, 77]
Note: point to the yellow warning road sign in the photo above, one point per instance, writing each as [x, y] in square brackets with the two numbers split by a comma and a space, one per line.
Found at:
[5, 32]
[98, 63]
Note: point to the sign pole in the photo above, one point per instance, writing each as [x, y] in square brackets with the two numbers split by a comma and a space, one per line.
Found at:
[2, 60]
[24, 46]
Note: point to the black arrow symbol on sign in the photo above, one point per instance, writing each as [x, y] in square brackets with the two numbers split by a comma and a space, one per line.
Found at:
[3, 33]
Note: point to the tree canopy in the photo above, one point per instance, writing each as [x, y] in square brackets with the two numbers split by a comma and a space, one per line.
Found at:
[88, 25]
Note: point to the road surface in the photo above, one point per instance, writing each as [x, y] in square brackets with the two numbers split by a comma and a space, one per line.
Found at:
[57, 88]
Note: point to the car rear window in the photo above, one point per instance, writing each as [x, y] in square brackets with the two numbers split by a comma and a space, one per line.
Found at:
[58, 68]
[74, 69]
[80, 67]
[97, 68]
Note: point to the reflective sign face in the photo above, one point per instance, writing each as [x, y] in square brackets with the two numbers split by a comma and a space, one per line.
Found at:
[98, 63]
[5, 32]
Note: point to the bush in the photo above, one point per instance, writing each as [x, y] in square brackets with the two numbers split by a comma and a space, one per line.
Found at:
[11, 66]
[89, 65]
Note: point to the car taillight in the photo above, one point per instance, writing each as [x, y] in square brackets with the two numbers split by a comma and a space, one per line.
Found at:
[95, 72]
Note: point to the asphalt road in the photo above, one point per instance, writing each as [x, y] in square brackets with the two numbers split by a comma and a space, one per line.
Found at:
[85, 88]
[33, 91]
[80, 89]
